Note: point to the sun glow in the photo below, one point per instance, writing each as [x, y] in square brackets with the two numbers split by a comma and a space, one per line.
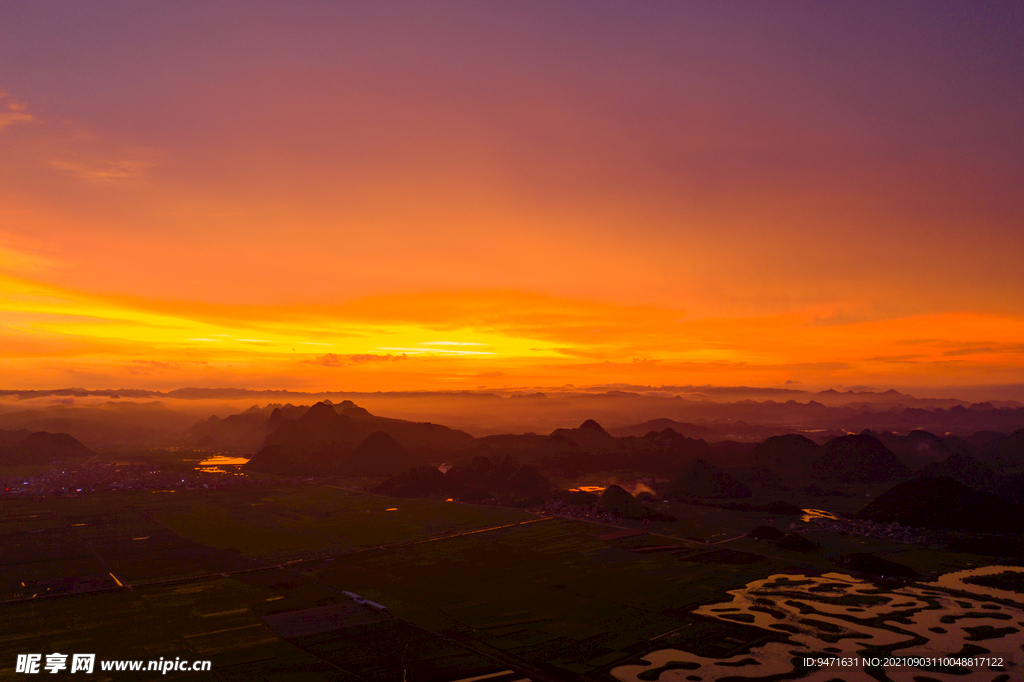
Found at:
[501, 212]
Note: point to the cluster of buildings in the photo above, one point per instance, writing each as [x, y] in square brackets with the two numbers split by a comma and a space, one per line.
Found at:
[589, 512]
[893, 532]
[72, 480]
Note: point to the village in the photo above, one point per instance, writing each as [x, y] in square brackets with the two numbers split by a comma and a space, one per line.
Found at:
[76, 479]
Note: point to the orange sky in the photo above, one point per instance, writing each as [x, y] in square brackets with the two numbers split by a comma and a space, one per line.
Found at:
[470, 196]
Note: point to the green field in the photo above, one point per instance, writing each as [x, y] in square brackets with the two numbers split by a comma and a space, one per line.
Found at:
[549, 593]
[227, 575]
[296, 522]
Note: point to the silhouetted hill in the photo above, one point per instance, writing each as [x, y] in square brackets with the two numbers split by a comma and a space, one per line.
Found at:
[617, 500]
[526, 482]
[282, 412]
[378, 455]
[876, 567]
[319, 428]
[1010, 487]
[244, 431]
[25, 447]
[943, 503]
[350, 409]
[411, 435]
[665, 451]
[327, 439]
[920, 448]
[794, 542]
[316, 441]
[589, 437]
[770, 533]
[787, 456]
[324, 425]
[704, 480]
[421, 481]
[501, 476]
[858, 459]
[1005, 453]
[964, 469]
[284, 459]
[481, 472]
[765, 477]
[980, 439]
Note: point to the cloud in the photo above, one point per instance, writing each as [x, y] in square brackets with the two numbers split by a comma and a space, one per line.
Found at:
[12, 111]
[329, 360]
[988, 349]
[370, 357]
[151, 366]
[103, 171]
[333, 360]
[11, 117]
[451, 343]
[18, 260]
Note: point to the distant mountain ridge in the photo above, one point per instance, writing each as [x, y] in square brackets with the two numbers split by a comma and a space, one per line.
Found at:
[323, 437]
[715, 414]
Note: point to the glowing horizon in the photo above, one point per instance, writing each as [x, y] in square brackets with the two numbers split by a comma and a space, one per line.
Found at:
[342, 198]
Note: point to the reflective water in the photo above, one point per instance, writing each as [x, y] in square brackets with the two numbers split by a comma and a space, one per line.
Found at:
[221, 464]
[838, 615]
[220, 460]
[811, 514]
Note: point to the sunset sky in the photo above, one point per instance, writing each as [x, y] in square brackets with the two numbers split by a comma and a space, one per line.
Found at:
[364, 196]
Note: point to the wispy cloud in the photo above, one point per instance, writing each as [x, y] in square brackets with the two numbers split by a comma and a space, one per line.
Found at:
[106, 171]
[334, 360]
[16, 260]
[12, 111]
[441, 351]
[987, 349]
[363, 358]
[150, 366]
[329, 360]
[451, 343]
